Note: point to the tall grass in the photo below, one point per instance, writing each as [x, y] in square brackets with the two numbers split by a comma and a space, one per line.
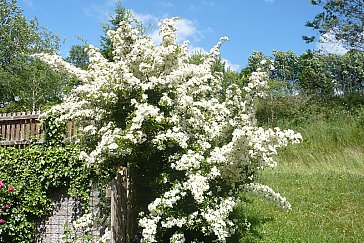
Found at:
[334, 144]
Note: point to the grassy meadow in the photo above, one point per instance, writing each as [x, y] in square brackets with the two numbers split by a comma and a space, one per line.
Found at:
[323, 179]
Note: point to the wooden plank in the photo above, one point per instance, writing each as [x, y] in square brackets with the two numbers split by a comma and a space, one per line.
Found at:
[75, 130]
[20, 117]
[27, 129]
[26, 126]
[32, 129]
[37, 130]
[42, 131]
[12, 143]
[7, 135]
[12, 135]
[69, 130]
[8, 143]
[17, 131]
[22, 130]
[3, 128]
[118, 210]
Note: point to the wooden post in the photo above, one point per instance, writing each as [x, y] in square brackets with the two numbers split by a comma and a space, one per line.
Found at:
[119, 207]
[123, 223]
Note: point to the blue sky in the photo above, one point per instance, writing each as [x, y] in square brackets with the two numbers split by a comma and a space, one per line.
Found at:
[260, 25]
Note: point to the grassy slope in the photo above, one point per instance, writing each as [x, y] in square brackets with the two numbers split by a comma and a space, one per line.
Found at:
[323, 179]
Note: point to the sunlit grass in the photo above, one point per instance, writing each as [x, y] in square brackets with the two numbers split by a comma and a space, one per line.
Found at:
[323, 179]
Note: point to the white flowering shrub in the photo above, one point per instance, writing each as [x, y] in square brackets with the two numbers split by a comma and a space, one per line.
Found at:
[80, 231]
[193, 145]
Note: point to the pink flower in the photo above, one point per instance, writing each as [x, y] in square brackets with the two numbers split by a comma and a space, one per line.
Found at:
[10, 189]
[7, 206]
[2, 221]
[1, 184]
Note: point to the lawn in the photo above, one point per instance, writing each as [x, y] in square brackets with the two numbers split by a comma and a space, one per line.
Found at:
[323, 179]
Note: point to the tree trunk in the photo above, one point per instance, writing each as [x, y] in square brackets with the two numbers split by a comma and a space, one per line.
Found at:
[123, 217]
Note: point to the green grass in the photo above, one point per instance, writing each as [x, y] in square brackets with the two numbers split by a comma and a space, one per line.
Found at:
[323, 179]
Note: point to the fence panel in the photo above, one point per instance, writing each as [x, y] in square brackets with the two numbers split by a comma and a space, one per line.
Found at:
[20, 128]
[24, 128]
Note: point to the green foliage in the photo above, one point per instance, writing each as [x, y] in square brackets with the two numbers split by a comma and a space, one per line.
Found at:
[19, 37]
[295, 111]
[285, 72]
[36, 172]
[78, 57]
[341, 18]
[313, 75]
[282, 67]
[54, 131]
[278, 111]
[38, 86]
[255, 63]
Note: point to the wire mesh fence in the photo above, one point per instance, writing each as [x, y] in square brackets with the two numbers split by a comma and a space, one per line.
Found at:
[70, 222]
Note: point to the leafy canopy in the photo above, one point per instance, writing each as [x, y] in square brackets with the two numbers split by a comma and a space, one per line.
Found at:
[25, 83]
[342, 19]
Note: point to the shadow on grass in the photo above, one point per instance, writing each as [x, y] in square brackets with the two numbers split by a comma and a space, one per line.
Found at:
[249, 226]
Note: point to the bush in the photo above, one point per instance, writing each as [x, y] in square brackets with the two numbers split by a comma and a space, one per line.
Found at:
[189, 137]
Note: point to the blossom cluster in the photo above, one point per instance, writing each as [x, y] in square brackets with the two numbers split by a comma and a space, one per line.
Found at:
[81, 228]
[5, 205]
[152, 95]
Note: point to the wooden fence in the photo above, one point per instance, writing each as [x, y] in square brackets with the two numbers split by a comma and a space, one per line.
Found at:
[21, 129]
[24, 128]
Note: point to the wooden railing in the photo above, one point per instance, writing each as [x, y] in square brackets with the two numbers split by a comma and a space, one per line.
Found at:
[25, 128]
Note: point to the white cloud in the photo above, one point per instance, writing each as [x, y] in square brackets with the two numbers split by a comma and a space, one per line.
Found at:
[328, 44]
[101, 11]
[199, 5]
[145, 18]
[185, 29]
[269, 1]
[192, 7]
[155, 36]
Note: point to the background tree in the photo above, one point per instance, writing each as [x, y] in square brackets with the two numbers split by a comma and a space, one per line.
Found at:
[352, 72]
[40, 86]
[121, 14]
[255, 61]
[315, 78]
[285, 72]
[229, 76]
[341, 18]
[78, 56]
[26, 84]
